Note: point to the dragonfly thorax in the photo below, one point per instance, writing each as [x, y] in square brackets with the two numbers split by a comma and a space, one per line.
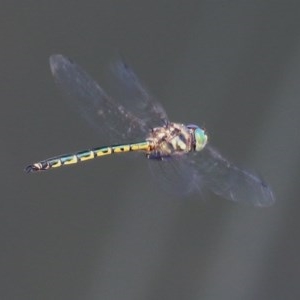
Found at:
[171, 139]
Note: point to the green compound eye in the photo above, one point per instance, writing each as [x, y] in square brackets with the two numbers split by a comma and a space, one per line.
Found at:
[200, 139]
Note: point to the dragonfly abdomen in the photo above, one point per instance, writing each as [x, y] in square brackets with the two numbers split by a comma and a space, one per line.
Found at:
[81, 156]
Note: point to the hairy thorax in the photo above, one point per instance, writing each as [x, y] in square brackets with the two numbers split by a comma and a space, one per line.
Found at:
[173, 138]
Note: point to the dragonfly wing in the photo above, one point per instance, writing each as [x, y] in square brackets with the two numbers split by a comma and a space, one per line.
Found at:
[110, 118]
[174, 175]
[229, 181]
[134, 96]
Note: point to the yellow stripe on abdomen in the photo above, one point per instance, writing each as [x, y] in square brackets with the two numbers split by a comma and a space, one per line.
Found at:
[69, 160]
[86, 155]
[102, 151]
[121, 148]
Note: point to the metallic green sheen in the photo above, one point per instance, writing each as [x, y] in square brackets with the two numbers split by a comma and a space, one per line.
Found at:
[200, 139]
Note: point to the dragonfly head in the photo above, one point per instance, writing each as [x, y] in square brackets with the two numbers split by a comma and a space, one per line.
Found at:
[199, 137]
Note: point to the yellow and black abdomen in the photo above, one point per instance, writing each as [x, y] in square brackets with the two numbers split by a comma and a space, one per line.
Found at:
[81, 156]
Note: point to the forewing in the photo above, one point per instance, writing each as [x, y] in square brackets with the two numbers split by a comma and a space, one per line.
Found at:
[229, 181]
[131, 93]
[112, 120]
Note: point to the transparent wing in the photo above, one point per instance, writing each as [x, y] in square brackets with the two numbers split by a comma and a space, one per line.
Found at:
[109, 117]
[197, 171]
[229, 181]
[130, 92]
[175, 175]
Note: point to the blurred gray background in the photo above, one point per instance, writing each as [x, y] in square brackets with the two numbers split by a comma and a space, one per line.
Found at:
[103, 230]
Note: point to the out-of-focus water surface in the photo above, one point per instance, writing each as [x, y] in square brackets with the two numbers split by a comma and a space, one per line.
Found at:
[103, 230]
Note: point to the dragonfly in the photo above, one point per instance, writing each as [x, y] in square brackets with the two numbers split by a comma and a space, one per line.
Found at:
[179, 155]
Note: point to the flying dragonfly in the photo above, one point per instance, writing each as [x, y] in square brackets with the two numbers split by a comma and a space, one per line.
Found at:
[179, 155]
